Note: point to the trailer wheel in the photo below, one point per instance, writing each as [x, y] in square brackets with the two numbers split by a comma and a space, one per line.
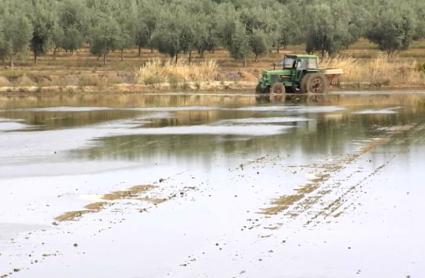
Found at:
[277, 88]
[315, 83]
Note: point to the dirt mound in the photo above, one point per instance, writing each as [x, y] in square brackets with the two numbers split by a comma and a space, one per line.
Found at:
[42, 80]
[24, 80]
[4, 82]
[68, 80]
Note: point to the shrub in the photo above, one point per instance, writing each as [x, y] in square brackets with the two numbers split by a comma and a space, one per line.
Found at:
[156, 71]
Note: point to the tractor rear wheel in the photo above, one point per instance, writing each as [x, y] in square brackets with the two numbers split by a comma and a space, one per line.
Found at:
[315, 83]
[277, 88]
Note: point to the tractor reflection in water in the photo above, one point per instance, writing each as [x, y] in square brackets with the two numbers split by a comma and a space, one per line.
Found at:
[306, 99]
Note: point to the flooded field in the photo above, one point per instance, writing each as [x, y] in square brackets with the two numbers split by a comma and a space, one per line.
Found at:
[212, 185]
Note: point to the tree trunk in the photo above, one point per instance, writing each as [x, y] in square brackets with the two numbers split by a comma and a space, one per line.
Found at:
[122, 54]
[54, 53]
[391, 53]
[12, 61]
[140, 51]
[177, 58]
[190, 56]
[104, 58]
[244, 61]
[35, 57]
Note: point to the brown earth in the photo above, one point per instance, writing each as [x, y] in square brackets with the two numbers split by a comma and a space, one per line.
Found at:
[82, 72]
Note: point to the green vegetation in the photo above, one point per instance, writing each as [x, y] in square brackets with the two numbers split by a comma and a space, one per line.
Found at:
[245, 28]
[393, 28]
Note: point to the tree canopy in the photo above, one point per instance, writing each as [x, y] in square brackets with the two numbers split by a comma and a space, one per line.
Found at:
[247, 28]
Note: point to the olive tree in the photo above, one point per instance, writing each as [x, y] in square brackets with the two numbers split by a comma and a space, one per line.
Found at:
[330, 29]
[126, 22]
[146, 23]
[105, 36]
[189, 36]
[392, 30]
[167, 41]
[419, 19]
[239, 46]
[259, 43]
[207, 34]
[43, 22]
[3, 45]
[175, 34]
[72, 25]
[141, 35]
[14, 37]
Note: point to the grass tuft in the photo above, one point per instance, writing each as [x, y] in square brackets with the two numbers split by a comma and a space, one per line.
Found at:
[157, 71]
[379, 71]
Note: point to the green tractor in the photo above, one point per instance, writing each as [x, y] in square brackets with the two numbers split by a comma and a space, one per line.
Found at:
[299, 74]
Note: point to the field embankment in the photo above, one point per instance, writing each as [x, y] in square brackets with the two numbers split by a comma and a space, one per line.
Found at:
[363, 65]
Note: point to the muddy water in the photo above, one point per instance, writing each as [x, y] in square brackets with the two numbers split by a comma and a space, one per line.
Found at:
[212, 185]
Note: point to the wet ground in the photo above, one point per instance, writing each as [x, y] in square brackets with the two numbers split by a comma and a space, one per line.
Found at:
[212, 185]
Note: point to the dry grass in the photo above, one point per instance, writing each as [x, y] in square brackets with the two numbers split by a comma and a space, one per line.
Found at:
[379, 71]
[158, 71]
[152, 68]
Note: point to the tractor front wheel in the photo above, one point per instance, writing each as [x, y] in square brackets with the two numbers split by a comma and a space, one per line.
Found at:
[315, 83]
[277, 88]
[260, 90]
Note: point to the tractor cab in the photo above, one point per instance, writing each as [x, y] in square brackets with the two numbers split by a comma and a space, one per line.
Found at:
[300, 62]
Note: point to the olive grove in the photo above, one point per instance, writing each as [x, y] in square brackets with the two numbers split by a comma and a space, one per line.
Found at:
[246, 28]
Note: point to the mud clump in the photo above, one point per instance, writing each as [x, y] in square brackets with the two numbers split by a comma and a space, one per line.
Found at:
[282, 203]
[4, 82]
[24, 80]
[127, 194]
[154, 201]
[71, 215]
[98, 206]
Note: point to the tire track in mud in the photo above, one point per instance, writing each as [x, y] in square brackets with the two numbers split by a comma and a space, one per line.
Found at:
[331, 210]
[143, 198]
[329, 195]
[143, 193]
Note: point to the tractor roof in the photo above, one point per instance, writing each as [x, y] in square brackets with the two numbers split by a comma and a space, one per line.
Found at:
[301, 56]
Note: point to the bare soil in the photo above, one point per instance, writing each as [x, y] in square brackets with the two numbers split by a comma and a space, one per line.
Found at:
[81, 72]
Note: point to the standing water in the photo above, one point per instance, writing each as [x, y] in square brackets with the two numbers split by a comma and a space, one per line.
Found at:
[212, 185]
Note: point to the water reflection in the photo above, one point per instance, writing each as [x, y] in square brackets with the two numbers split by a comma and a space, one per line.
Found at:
[292, 99]
[214, 125]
